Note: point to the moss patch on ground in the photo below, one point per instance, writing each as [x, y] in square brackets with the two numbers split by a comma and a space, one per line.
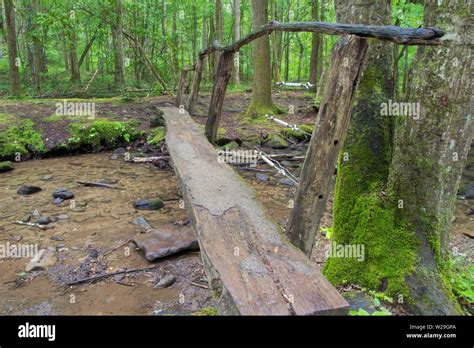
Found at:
[101, 134]
[156, 135]
[20, 139]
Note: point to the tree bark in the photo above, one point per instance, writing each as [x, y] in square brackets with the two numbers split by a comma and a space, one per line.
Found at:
[261, 102]
[224, 73]
[315, 47]
[118, 40]
[431, 151]
[236, 73]
[318, 169]
[15, 85]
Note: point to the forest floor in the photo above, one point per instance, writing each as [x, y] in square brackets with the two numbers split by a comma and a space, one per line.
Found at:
[102, 218]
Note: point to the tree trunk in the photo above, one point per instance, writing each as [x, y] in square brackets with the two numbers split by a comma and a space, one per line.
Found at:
[318, 172]
[261, 102]
[431, 151]
[315, 46]
[362, 172]
[118, 40]
[13, 60]
[236, 73]
[224, 73]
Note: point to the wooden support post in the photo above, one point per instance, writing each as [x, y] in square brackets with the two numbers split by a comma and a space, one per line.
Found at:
[224, 72]
[196, 83]
[182, 84]
[318, 171]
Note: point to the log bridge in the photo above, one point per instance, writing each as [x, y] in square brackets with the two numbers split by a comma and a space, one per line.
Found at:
[252, 267]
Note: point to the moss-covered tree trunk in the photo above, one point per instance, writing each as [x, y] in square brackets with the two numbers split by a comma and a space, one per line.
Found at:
[431, 150]
[363, 167]
[261, 102]
[13, 59]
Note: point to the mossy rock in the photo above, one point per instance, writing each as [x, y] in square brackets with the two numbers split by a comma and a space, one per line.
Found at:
[294, 134]
[276, 141]
[207, 311]
[20, 139]
[230, 146]
[6, 166]
[307, 128]
[156, 136]
[157, 120]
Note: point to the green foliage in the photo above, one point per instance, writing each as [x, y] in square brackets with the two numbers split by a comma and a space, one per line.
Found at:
[328, 231]
[100, 134]
[156, 136]
[21, 138]
[462, 281]
[6, 166]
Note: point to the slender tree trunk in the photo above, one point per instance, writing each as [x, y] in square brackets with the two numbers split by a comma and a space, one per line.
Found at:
[219, 34]
[431, 151]
[236, 73]
[118, 40]
[261, 102]
[13, 59]
[315, 47]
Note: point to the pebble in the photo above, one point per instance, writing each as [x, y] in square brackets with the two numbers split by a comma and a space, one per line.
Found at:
[261, 177]
[43, 220]
[56, 238]
[287, 182]
[63, 193]
[114, 157]
[58, 201]
[63, 217]
[36, 213]
[47, 177]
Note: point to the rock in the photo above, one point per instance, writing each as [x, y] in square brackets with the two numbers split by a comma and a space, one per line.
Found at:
[53, 219]
[469, 233]
[114, 157]
[58, 201]
[157, 120]
[261, 177]
[166, 241]
[42, 260]
[43, 220]
[287, 182]
[276, 141]
[28, 189]
[141, 221]
[47, 177]
[36, 213]
[63, 217]
[26, 218]
[120, 150]
[230, 146]
[6, 166]
[149, 204]
[469, 192]
[93, 254]
[60, 245]
[165, 281]
[57, 238]
[63, 193]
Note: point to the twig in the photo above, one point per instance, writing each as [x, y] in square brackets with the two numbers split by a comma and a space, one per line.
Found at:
[101, 276]
[199, 285]
[32, 224]
[115, 248]
[147, 159]
[96, 184]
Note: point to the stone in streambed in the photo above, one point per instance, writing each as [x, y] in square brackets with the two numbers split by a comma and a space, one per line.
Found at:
[63, 193]
[287, 182]
[28, 189]
[165, 281]
[58, 201]
[43, 220]
[261, 177]
[166, 241]
[276, 141]
[6, 166]
[141, 221]
[149, 204]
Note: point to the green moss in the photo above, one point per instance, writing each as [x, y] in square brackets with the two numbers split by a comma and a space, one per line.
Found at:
[6, 166]
[298, 135]
[102, 133]
[156, 136]
[207, 311]
[230, 146]
[307, 128]
[276, 141]
[6, 119]
[256, 111]
[389, 245]
[21, 138]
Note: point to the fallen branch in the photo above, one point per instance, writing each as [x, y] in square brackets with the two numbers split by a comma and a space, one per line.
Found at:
[96, 184]
[32, 224]
[147, 159]
[115, 248]
[199, 285]
[102, 276]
